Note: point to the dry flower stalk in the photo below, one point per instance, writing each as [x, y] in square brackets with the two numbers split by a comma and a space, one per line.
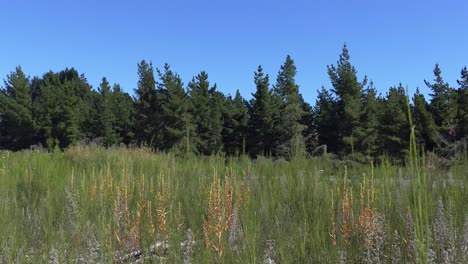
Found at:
[219, 215]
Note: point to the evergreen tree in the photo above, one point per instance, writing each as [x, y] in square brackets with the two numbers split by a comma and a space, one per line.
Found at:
[366, 132]
[56, 111]
[106, 118]
[206, 114]
[348, 91]
[394, 128]
[425, 127]
[176, 118]
[235, 125]
[443, 103]
[462, 105]
[123, 110]
[17, 124]
[147, 108]
[291, 108]
[309, 134]
[263, 113]
[81, 92]
[217, 110]
[326, 120]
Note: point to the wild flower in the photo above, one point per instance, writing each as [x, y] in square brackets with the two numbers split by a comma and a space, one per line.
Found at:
[269, 254]
[235, 232]
[72, 212]
[444, 243]
[374, 252]
[342, 257]
[333, 221]
[219, 215]
[464, 243]
[187, 246]
[395, 253]
[410, 236]
[53, 256]
[347, 224]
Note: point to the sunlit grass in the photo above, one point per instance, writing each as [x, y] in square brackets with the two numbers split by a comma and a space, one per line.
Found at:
[98, 205]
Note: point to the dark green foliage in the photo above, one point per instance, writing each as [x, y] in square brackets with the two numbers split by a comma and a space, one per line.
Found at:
[235, 127]
[366, 131]
[394, 128]
[348, 93]
[16, 120]
[309, 134]
[177, 126]
[442, 104]
[291, 141]
[207, 112]
[426, 130]
[264, 116]
[326, 120]
[123, 110]
[57, 109]
[60, 109]
[462, 105]
[106, 116]
[147, 108]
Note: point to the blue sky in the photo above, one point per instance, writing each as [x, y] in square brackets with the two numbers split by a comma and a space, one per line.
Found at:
[389, 41]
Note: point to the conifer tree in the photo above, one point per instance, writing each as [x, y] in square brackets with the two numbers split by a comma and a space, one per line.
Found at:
[442, 104]
[425, 127]
[106, 116]
[123, 110]
[326, 120]
[348, 92]
[206, 116]
[147, 108]
[462, 105]
[291, 109]
[366, 132]
[264, 115]
[394, 128]
[57, 110]
[309, 134]
[235, 124]
[17, 124]
[176, 118]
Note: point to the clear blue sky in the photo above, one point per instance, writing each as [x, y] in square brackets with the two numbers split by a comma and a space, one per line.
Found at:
[389, 41]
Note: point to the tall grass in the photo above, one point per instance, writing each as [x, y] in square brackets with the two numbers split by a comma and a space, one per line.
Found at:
[91, 205]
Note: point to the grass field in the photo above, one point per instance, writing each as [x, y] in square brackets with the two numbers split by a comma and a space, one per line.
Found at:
[92, 205]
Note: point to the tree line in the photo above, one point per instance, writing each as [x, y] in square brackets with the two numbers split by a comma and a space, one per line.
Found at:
[61, 109]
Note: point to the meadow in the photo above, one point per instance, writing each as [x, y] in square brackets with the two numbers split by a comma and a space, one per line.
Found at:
[127, 205]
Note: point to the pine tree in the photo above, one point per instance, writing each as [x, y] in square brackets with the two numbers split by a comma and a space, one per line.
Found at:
[147, 108]
[17, 124]
[217, 110]
[106, 116]
[309, 134]
[235, 124]
[394, 128]
[366, 132]
[206, 114]
[326, 120]
[291, 108]
[264, 115]
[462, 105]
[56, 110]
[348, 91]
[176, 118]
[81, 92]
[425, 127]
[442, 104]
[123, 110]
